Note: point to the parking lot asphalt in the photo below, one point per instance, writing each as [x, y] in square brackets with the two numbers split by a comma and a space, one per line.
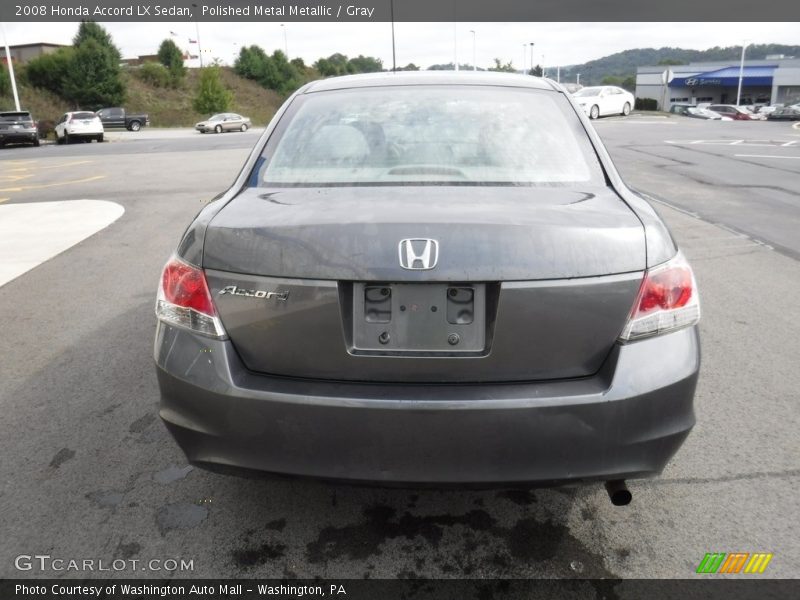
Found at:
[88, 471]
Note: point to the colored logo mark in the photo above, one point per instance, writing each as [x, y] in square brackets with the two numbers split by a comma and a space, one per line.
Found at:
[735, 562]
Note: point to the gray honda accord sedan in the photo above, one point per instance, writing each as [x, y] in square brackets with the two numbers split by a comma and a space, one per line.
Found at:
[429, 278]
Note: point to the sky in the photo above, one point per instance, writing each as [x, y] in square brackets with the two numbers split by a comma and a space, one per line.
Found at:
[424, 44]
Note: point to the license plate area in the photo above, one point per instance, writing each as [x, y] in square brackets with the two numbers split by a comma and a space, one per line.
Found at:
[419, 318]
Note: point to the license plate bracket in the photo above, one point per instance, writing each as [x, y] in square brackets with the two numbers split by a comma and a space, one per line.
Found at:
[440, 318]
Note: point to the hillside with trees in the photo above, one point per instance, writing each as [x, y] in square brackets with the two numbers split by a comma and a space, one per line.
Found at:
[88, 75]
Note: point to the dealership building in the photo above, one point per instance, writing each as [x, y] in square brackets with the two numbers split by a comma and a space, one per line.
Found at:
[774, 80]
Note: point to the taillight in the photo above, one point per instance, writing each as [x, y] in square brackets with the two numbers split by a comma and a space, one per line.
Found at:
[184, 300]
[667, 300]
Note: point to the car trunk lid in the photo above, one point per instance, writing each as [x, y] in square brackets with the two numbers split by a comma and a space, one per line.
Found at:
[534, 283]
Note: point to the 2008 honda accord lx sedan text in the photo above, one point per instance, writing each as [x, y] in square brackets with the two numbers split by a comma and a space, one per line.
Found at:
[429, 278]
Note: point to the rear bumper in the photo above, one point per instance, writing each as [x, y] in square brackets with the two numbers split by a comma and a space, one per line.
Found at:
[93, 132]
[625, 422]
[19, 137]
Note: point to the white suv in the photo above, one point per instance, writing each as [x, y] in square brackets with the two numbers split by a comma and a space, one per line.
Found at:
[84, 126]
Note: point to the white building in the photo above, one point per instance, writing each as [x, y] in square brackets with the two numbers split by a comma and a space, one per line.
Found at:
[773, 81]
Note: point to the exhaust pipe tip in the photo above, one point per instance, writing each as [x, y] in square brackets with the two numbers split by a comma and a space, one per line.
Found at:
[618, 492]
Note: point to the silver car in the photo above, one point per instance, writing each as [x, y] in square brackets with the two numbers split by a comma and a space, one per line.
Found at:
[224, 122]
[430, 278]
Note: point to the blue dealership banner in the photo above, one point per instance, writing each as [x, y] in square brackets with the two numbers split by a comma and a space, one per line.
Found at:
[397, 10]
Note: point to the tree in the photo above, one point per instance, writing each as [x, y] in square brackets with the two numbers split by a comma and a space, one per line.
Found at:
[48, 70]
[339, 64]
[155, 74]
[365, 64]
[5, 82]
[537, 71]
[409, 67]
[274, 72]
[212, 95]
[171, 57]
[335, 64]
[87, 75]
[629, 83]
[450, 67]
[90, 30]
[611, 80]
[504, 68]
[93, 78]
[250, 62]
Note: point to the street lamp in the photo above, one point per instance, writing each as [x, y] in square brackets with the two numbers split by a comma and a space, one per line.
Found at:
[285, 41]
[474, 66]
[532, 44]
[741, 73]
[578, 80]
[524, 57]
[197, 32]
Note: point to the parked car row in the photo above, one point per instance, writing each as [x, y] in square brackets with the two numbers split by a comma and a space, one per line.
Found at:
[19, 127]
[785, 113]
[732, 112]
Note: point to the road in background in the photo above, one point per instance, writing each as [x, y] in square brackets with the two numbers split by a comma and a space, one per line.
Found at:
[89, 471]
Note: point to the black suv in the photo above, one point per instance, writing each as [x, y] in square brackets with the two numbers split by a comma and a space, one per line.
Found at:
[18, 127]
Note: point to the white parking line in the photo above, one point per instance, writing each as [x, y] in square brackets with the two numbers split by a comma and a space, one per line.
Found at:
[35, 232]
[766, 156]
[759, 143]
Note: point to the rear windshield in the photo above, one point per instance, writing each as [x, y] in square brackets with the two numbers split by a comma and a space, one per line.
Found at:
[468, 135]
[83, 115]
[15, 117]
[589, 91]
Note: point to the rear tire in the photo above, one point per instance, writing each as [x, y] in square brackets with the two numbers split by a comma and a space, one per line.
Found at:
[218, 129]
[66, 138]
[244, 127]
[99, 138]
[134, 126]
[594, 112]
[36, 142]
[626, 110]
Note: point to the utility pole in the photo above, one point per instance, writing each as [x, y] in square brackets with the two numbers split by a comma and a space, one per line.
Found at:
[10, 68]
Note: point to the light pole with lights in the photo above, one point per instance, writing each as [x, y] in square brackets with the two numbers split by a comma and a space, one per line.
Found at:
[197, 32]
[524, 58]
[474, 66]
[532, 44]
[741, 75]
[285, 41]
[10, 63]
